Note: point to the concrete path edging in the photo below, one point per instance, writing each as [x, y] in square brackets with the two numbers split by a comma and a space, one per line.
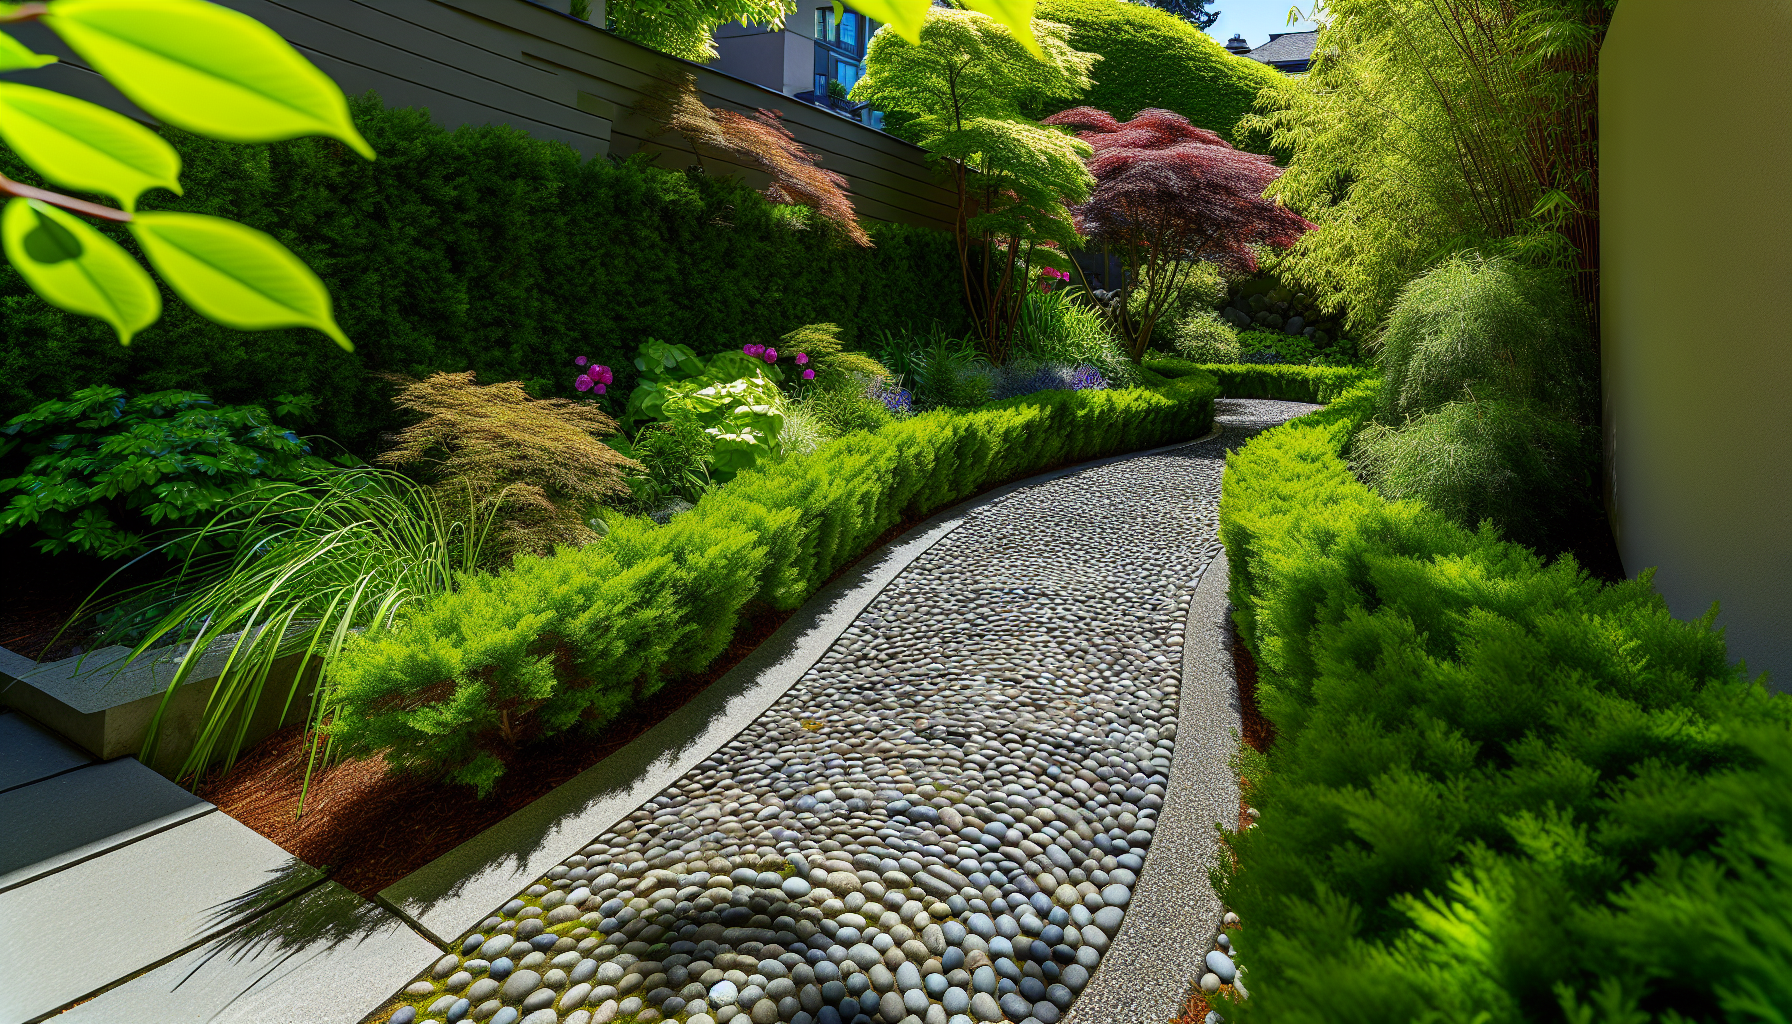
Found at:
[1174, 913]
[449, 896]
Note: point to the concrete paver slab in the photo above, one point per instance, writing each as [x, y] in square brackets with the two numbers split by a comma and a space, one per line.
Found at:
[77, 930]
[29, 752]
[321, 958]
[68, 818]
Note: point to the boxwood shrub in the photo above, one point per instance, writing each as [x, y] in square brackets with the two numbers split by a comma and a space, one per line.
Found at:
[580, 636]
[1319, 384]
[1499, 790]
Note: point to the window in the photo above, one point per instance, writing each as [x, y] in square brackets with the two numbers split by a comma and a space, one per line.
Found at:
[849, 30]
[847, 72]
[824, 17]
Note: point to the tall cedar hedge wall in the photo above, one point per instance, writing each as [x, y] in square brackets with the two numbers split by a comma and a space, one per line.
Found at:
[1154, 59]
[481, 249]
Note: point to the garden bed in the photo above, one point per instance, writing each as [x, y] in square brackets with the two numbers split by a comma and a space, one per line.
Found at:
[372, 827]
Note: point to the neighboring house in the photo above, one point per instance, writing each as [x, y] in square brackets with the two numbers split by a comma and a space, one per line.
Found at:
[803, 58]
[1287, 52]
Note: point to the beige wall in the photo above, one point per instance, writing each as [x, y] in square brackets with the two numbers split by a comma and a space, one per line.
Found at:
[1695, 197]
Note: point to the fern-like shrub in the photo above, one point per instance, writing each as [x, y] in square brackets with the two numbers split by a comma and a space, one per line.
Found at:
[1200, 335]
[1319, 384]
[1488, 400]
[538, 462]
[1475, 461]
[574, 638]
[1499, 790]
[1478, 329]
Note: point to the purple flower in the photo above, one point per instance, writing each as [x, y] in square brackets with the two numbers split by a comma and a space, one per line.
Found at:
[801, 358]
[603, 375]
[580, 361]
[771, 355]
[808, 374]
[582, 382]
[599, 386]
[753, 349]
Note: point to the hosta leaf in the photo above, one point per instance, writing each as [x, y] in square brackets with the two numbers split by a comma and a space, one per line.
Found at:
[16, 56]
[207, 69]
[1016, 14]
[85, 147]
[234, 274]
[78, 269]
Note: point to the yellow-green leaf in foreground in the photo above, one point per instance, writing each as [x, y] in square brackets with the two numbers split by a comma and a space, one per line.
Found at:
[1016, 14]
[207, 69]
[78, 269]
[16, 56]
[904, 16]
[907, 16]
[85, 147]
[234, 274]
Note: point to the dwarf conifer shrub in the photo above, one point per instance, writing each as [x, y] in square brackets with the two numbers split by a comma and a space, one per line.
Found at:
[572, 639]
[1499, 790]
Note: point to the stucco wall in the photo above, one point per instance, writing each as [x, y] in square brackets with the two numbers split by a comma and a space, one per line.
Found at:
[1696, 252]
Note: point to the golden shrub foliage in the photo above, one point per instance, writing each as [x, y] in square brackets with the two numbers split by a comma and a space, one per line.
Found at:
[539, 460]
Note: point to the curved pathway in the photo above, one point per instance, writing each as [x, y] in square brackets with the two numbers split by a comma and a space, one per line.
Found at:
[943, 821]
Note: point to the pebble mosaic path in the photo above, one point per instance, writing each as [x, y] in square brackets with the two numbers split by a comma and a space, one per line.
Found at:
[941, 823]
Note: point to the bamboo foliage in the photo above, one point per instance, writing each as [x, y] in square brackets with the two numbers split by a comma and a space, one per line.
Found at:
[1427, 127]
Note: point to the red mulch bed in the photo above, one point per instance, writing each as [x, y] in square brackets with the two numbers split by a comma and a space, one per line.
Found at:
[372, 827]
[1258, 732]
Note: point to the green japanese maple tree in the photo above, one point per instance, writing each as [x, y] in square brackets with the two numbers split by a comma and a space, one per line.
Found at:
[191, 64]
[965, 81]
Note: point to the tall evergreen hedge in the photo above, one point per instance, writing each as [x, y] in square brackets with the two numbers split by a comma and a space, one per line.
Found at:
[1153, 59]
[479, 248]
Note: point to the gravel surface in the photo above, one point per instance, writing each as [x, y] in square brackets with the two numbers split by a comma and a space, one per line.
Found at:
[943, 822]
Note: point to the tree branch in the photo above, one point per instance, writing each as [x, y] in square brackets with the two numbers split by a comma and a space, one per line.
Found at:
[23, 191]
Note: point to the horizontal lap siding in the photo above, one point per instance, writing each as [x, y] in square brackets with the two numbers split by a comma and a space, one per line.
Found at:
[519, 63]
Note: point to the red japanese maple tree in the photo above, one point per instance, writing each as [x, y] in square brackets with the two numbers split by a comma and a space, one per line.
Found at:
[1168, 194]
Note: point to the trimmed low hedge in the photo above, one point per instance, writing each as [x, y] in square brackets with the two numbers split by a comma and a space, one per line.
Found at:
[1319, 384]
[577, 637]
[477, 249]
[1499, 790]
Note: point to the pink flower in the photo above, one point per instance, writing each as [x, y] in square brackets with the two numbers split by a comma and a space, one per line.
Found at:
[771, 355]
[753, 349]
[582, 382]
[599, 386]
[603, 375]
[580, 361]
[801, 358]
[808, 374]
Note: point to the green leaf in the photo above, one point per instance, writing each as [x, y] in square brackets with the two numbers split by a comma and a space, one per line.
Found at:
[1016, 14]
[78, 269]
[235, 275]
[86, 147]
[16, 56]
[207, 69]
[905, 16]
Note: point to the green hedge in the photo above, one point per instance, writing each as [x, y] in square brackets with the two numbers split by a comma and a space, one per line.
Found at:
[1269, 380]
[479, 249]
[1498, 790]
[580, 636]
[1154, 59]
